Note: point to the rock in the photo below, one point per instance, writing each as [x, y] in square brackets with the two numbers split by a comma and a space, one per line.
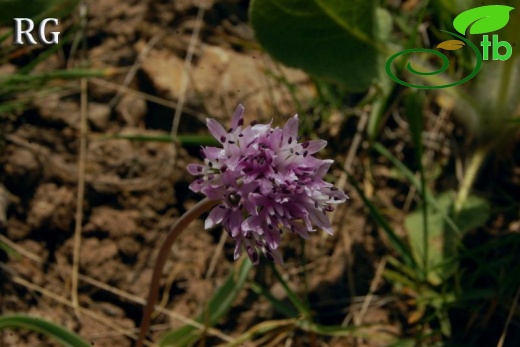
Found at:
[52, 208]
[222, 78]
[129, 249]
[21, 167]
[115, 223]
[98, 115]
[56, 110]
[131, 110]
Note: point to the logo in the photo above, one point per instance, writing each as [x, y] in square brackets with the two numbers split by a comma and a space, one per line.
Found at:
[479, 20]
[19, 31]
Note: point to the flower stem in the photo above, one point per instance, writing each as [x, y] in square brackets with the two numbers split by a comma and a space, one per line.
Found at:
[176, 229]
[469, 177]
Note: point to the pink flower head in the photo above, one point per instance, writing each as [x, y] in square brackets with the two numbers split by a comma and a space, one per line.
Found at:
[267, 182]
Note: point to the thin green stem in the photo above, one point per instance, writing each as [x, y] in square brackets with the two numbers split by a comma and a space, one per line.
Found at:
[426, 236]
[176, 229]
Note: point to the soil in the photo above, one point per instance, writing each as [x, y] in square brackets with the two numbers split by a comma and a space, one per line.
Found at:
[135, 190]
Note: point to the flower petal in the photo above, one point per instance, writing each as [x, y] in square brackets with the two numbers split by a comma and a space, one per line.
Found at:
[290, 130]
[215, 216]
[274, 255]
[216, 129]
[238, 248]
[233, 223]
[195, 169]
[314, 146]
[239, 112]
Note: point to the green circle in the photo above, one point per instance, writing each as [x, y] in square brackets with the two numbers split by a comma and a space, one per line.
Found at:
[445, 65]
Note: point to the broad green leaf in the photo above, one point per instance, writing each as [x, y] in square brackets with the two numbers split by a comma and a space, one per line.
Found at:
[332, 39]
[218, 305]
[441, 243]
[474, 213]
[65, 337]
[483, 19]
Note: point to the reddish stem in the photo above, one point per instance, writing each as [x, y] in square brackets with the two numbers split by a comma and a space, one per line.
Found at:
[176, 229]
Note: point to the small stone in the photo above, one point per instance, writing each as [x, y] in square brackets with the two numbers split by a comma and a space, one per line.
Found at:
[98, 115]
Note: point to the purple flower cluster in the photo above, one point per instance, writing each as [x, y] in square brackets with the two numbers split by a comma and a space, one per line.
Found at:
[267, 182]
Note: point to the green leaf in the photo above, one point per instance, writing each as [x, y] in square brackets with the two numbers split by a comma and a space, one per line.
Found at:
[217, 307]
[59, 333]
[474, 213]
[333, 39]
[483, 19]
[441, 243]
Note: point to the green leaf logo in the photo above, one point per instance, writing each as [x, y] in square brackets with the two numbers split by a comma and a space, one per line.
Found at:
[483, 19]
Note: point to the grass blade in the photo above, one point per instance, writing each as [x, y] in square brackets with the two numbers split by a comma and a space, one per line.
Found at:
[413, 105]
[411, 177]
[217, 307]
[55, 331]
[184, 140]
[277, 304]
[297, 302]
[402, 249]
